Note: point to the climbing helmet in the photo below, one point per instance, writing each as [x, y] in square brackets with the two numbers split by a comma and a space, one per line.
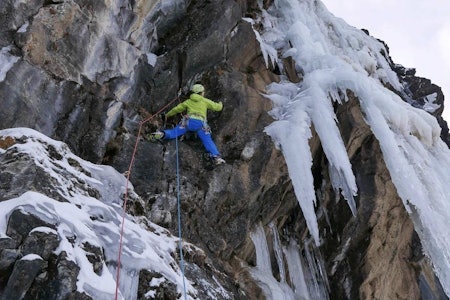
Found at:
[197, 88]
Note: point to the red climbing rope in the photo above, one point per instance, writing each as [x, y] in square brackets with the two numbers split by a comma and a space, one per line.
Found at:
[128, 173]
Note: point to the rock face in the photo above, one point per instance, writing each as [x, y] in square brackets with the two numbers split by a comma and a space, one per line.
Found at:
[85, 72]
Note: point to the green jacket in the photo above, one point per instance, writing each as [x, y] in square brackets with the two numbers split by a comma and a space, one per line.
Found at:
[196, 106]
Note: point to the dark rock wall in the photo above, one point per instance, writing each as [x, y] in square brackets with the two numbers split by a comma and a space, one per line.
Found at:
[85, 77]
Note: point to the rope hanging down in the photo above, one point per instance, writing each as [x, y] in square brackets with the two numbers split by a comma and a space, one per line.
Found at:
[180, 241]
[128, 173]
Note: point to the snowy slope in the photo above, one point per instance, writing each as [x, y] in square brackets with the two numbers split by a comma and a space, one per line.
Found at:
[333, 58]
[95, 219]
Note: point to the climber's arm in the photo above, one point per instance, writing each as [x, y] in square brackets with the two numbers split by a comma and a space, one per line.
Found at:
[176, 110]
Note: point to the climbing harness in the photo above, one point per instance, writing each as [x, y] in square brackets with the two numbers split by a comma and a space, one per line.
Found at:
[184, 121]
[127, 174]
[196, 116]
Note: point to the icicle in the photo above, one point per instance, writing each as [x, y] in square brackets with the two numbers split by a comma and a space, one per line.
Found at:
[278, 252]
[318, 286]
[262, 249]
[296, 272]
[262, 273]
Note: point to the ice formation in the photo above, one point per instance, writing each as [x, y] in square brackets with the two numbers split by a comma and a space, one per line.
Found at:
[334, 57]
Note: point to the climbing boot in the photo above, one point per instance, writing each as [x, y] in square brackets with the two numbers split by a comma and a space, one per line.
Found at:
[155, 136]
[218, 160]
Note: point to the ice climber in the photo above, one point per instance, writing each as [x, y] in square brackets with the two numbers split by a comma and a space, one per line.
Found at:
[195, 121]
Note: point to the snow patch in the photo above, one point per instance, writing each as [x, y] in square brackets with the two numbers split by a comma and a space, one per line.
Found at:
[23, 28]
[430, 105]
[7, 61]
[31, 257]
[151, 59]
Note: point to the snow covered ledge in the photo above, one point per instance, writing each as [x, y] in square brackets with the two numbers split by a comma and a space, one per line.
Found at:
[82, 204]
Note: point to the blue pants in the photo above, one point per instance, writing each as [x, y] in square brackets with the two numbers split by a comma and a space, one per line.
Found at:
[195, 126]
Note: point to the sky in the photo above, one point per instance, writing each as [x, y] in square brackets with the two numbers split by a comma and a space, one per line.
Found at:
[417, 33]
